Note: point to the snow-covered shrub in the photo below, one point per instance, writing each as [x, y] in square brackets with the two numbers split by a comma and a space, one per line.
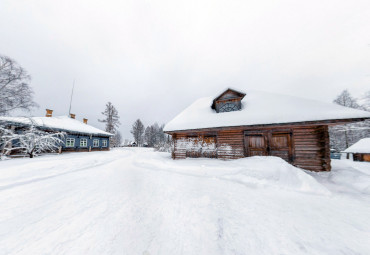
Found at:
[6, 138]
[164, 147]
[30, 141]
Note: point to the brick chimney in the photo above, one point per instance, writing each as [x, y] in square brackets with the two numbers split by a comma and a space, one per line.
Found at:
[73, 116]
[49, 113]
[85, 121]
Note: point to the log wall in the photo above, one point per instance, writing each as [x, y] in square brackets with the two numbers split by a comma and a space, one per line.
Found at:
[310, 145]
[311, 148]
[179, 151]
[230, 144]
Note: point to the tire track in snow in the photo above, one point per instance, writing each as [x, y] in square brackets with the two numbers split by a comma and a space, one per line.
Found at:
[16, 184]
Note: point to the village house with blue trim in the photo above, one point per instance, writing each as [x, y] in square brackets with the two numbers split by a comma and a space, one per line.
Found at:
[79, 135]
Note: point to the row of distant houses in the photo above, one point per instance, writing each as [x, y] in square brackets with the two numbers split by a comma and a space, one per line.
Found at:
[80, 136]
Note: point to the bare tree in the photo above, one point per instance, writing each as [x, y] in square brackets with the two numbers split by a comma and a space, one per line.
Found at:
[365, 101]
[111, 121]
[345, 99]
[155, 137]
[148, 136]
[116, 140]
[137, 131]
[15, 92]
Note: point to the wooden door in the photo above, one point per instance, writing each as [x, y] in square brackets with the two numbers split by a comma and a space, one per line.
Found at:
[256, 145]
[280, 146]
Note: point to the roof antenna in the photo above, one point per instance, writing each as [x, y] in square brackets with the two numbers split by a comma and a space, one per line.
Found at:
[70, 103]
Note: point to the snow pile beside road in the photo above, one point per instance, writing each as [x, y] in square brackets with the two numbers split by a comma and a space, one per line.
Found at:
[254, 172]
[274, 171]
[347, 177]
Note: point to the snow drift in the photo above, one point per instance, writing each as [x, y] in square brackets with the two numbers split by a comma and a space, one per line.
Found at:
[275, 172]
[137, 201]
[252, 171]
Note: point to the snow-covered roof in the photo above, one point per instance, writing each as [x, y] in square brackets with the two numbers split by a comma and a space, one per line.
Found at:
[62, 123]
[362, 146]
[261, 108]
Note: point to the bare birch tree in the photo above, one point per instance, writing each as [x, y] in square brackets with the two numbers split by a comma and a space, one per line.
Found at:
[111, 121]
[111, 118]
[15, 92]
[116, 140]
[137, 131]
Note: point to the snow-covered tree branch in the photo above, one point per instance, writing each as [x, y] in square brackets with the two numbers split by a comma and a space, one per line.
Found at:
[30, 141]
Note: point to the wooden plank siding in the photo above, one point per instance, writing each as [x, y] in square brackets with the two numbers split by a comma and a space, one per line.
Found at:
[306, 147]
[311, 145]
[178, 151]
[230, 144]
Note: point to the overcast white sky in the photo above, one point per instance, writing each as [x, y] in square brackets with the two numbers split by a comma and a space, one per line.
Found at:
[152, 59]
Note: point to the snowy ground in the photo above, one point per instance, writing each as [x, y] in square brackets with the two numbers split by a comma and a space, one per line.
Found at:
[136, 201]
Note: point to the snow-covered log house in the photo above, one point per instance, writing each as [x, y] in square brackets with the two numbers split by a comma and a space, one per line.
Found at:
[360, 150]
[79, 135]
[235, 125]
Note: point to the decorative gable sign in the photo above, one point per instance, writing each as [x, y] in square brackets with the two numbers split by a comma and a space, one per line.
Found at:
[228, 101]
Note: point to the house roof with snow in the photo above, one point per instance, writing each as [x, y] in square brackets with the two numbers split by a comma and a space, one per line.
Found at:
[362, 146]
[262, 108]
[60, 123]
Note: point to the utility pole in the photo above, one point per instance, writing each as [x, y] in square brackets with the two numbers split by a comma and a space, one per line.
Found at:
[70, 103]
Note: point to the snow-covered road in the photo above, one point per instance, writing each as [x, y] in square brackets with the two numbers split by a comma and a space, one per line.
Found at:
[136, 201]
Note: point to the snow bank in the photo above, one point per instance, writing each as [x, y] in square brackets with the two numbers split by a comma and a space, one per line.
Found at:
[275, 172]
[137, 201]
[347, 177]
[261, 108]
[254, 172]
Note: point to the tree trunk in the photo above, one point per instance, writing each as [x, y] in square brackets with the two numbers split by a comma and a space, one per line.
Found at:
[346, 138]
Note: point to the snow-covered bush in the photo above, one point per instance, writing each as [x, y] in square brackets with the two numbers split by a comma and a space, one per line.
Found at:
[164, 147]
[6, 138]
[30, 141]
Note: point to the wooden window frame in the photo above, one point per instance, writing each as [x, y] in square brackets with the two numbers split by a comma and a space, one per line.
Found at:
[83, 142]
[70, 142]
[104, 143]
[94, 141]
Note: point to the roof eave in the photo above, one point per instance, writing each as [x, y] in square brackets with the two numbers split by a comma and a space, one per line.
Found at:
[19, 124]
[332, 122]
